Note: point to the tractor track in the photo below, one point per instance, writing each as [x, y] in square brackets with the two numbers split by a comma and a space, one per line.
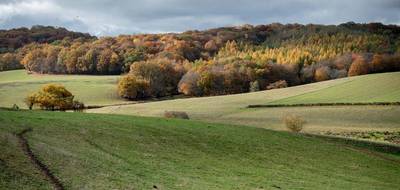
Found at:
[44, 170]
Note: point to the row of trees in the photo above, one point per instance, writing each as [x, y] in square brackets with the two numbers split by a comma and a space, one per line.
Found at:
[234, 74]
[152, 78]
[222, 60]
[283, 44]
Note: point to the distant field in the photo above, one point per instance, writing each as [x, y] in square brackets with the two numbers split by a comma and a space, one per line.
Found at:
[92, 90]
[92, 151]
[370, 88]
[231, 109]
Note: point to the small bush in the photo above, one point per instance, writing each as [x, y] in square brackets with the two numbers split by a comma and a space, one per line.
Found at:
[294, 123]
[176, 114]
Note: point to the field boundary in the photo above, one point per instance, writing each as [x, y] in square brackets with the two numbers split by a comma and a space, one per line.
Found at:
[36, 162]
[367, 146]
[324, 104]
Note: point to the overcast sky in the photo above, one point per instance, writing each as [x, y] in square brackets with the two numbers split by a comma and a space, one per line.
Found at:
[113, 17]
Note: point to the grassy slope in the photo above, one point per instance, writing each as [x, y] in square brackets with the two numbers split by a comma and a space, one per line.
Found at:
[92, 90]
[231, 108]
[16, 170]
[90, 151]
[371, 88]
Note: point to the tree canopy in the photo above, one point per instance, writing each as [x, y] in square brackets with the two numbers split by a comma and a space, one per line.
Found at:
[53, 97]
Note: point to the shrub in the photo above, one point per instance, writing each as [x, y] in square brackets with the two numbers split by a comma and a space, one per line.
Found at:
[277, 84]
[51, 97]
[176, 114]
[294, 123]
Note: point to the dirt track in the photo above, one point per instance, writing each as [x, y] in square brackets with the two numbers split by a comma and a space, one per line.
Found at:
[44, 170]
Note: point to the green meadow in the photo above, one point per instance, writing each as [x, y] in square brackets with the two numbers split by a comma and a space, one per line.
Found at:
[90, 89]
[97, 151]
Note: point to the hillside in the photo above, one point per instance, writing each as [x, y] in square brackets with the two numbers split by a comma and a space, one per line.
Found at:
[92, 90]
[11, 40]
[231, 108]
[91, 151]
[371, 88]
[226, 60]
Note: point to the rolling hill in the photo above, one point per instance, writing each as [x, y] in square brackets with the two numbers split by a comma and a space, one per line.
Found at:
[93, 151]
[232, 108]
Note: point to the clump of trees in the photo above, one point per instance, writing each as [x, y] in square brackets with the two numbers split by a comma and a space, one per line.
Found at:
[53, 97]
[9, 61]
[133, 88]
[152, 78]
[233, 75]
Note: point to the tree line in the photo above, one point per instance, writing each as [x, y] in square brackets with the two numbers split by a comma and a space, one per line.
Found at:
[222, 60]
[15, 43]
[232, 74]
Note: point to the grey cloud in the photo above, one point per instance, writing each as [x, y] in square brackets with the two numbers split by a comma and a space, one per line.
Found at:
[112, 17]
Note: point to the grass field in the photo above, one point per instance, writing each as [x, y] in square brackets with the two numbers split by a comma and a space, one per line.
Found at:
[92, 90]
[231, 109]
[370, 88]
[92, 151]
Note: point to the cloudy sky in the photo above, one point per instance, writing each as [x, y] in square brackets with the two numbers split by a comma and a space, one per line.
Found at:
[113, 17]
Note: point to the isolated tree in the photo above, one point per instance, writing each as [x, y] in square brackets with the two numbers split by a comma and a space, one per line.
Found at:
[51, 97]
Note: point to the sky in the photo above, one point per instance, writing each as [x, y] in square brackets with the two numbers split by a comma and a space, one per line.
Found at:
[114, 17]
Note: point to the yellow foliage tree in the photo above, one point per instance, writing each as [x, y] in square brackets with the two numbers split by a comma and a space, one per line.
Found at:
[51, 97]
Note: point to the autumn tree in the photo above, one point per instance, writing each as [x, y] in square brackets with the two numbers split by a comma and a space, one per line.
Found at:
[51, 97]
[163, 75]
[9, 61]
[132, 88]
[359, 67]
[322, 74]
